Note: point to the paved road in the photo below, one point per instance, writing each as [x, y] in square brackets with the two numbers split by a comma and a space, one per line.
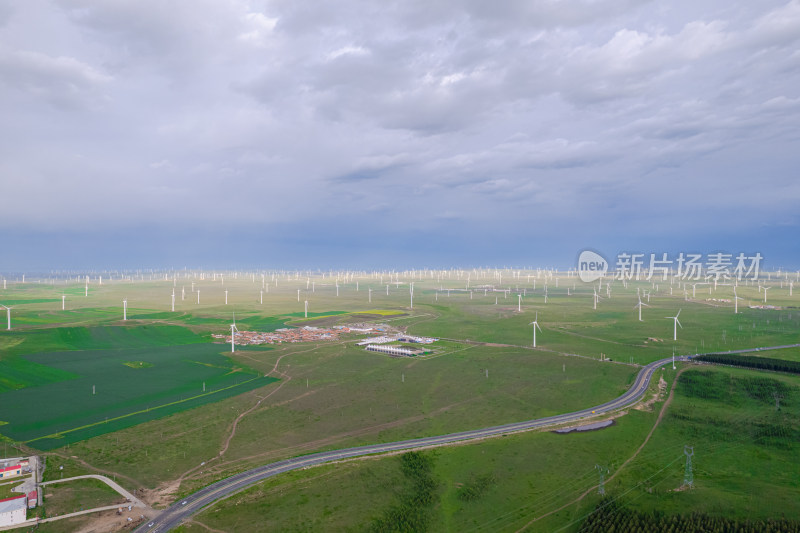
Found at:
[183, 509]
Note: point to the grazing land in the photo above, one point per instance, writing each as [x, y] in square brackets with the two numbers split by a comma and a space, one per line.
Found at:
[160, 403]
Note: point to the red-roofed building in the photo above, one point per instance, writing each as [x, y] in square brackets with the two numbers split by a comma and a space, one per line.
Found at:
[10, 471]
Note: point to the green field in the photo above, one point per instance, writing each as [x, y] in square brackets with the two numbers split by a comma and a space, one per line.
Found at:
[51, 399]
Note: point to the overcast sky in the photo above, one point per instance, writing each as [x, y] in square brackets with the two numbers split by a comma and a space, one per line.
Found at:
[290, 133]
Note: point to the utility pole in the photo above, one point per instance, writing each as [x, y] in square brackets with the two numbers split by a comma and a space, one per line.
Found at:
[688, 477]
[601, 487]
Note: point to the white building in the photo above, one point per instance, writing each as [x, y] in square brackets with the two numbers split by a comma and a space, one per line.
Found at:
[13, 510]
[393, 350]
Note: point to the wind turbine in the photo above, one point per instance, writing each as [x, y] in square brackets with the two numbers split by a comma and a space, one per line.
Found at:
[8, 315]
[306, 309]
[173, 300]
[226, 296]
[519, 303]
[411, 291]
[63, 299]
[125, 309]
[765, 292]
[677, 323]
[535, 324]
[233, 329]
[639, 305]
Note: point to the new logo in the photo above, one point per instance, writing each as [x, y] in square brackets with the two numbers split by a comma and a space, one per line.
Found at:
[591, 266]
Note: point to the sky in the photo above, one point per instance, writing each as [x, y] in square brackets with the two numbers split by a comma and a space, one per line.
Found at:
[395, 134]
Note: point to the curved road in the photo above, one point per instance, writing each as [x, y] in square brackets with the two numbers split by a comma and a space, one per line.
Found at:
[178, 512]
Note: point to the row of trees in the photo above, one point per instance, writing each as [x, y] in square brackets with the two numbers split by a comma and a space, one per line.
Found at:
[610, 517]
[412, 513]
[762, 363]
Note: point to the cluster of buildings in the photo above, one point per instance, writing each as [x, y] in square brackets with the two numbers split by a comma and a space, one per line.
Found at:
[304, 334]
[14, 510]
[385, 343]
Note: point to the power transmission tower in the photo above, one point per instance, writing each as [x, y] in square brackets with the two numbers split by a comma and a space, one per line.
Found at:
[688, 476]
[777, 400]
[601, 487]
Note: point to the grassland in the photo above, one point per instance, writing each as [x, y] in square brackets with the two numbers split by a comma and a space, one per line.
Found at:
[332, 394]
[77, 495]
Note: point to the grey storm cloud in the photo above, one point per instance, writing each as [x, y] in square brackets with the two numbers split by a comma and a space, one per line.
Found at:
[257, 112]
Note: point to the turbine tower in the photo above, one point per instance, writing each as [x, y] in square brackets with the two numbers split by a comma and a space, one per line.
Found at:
[8, 315]
[233, 330]
[125, 309]
[639, 305]
[677, 323]
[535, 324]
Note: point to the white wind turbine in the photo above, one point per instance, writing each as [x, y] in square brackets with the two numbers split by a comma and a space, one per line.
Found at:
[306, 309]
[8, 315]
[63, 299]
[173, 300]
[233, 329]
[765, 292]
[125, 309]
[639, 305]
[226, 296]
[535, 324]
[519, 303]
[677, 323]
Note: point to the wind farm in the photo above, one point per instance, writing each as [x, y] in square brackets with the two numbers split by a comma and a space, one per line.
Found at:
[489, 360]
[399, 266]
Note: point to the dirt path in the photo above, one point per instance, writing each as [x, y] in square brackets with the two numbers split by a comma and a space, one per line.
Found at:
[631, 458]
[204, 526]
[232, 428]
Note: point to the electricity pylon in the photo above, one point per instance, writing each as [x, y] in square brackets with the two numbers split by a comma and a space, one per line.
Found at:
[688, 476]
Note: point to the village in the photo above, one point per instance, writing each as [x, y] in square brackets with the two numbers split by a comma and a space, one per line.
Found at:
[303, 334]
[380, 343]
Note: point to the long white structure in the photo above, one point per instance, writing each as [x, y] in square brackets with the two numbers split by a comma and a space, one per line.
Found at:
[392, 350]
